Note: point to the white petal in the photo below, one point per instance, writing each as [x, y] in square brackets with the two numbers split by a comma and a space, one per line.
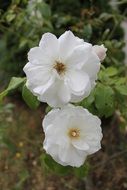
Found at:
[79, 55]
[60, 146]
[55, 133]
[49, 45]
[80, 145]
[38, 58]
[52, 150]
[57, 95]
[41, 90]
[49, 118]
[64, 93]
[35, 55]
[67, 42]
[92, 66]
[70, 156]
[94, 148]
[77, 81]
[36, 75]
[86, 92]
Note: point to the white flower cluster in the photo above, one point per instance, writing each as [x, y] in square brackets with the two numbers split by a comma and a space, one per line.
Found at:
[63, 70]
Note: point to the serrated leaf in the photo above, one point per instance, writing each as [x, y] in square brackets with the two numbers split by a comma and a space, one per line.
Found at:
[29, 98]
[104, 100]
[15, 82]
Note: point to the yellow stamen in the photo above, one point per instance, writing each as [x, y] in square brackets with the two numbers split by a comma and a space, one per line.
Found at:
[60, 68]
[74, 133]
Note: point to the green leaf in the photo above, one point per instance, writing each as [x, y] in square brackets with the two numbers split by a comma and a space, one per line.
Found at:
[87, 31]
[122, 89]
[10, 17]
[106, 75]
[29, 98]
[82, 171]
[88, 103]
[111, 71]
[54, 166]
[106, 16]
[48, 108]
[44, 9]
[15, 82]
[121, 81]
[49, 162]
[104, 100]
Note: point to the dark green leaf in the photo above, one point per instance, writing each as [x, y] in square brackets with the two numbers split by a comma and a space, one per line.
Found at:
[87, 31]
[44, 9]
[29, 98]
[55, 167]
[82, 171]
[104, 100]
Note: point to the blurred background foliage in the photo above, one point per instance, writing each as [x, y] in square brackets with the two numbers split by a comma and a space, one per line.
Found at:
[22, 23]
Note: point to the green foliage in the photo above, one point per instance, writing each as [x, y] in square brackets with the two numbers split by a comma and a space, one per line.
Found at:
[29, 98]
[6, 114]
[110, 89]
[104, 100]
[14, 83]
[82, 171]
[50, 165]
[122, 89]
[23, 22]
[22, 25]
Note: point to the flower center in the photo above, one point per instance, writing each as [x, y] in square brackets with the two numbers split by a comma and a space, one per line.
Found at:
[74, 133]
[60, 67]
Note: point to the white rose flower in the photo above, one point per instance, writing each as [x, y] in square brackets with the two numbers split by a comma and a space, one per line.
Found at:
[100, 51]
[71, 133]
[61, 70]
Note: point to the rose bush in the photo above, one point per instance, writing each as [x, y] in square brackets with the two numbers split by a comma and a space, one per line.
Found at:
[94, 23]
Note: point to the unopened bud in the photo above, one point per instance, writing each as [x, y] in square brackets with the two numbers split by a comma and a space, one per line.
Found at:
[100, 51]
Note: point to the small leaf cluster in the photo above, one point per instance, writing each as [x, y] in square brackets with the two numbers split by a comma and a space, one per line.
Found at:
[28, 97]
[109, 93]
[48, 164]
